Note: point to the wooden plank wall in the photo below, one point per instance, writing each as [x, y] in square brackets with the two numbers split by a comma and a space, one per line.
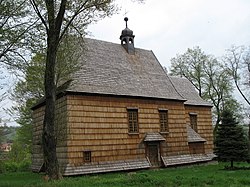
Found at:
[100, 124]
[204, 124]
[37, 156]
[60, 129]
[196, 148]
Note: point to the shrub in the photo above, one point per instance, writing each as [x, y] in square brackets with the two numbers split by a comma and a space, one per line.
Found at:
[12, 166]
[1, 166]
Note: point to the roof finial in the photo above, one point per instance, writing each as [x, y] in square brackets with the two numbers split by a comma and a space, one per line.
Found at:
[126, 19]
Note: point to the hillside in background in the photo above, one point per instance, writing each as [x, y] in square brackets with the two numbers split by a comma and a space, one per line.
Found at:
[7, 134]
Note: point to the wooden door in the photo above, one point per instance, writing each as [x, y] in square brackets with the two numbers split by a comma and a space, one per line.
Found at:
[153, 154]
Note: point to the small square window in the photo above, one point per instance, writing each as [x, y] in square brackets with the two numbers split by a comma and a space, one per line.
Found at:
[87, 156]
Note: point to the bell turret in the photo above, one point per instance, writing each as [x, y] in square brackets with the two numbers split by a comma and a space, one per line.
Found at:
[127, 39]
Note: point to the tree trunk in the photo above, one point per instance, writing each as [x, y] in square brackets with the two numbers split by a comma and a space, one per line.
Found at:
[249, 132]
[232, 164]
[248, 159]
[49, 139]
[217, 123]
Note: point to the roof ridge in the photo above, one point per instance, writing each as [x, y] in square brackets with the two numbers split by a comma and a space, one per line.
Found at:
[138, 48]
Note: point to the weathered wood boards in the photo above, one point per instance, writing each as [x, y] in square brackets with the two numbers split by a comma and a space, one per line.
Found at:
[99, 125]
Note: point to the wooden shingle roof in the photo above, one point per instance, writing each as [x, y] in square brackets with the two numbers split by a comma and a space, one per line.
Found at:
[187, 159]
[104, 167]
[185, 88]
[106, 68]
[193, 136]
[153, 136]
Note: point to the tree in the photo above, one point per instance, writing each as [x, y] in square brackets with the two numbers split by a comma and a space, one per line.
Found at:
[231, 142]
[11, 32]
[17, 29]
[207, 75]
[237, 62]
[217, 88]
[11, 26]
[189, 65]
[20, 36]
[30, 89]
[1, 135]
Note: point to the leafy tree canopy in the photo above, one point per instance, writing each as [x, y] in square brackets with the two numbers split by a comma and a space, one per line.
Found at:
[208, 76]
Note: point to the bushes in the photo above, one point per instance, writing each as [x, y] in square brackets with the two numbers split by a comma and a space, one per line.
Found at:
[18, 159]
[12, 166]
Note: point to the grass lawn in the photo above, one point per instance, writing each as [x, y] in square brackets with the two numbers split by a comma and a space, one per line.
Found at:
[210, 175]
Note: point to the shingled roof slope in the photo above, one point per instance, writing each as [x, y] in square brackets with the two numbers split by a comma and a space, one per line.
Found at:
[106, 68]
[153, 136]
[185, 88]
[193, 136]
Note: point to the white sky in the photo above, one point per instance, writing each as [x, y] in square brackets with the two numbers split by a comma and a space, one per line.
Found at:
[168, 27]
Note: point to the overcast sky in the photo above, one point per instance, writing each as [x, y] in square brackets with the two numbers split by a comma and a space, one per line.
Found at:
[168, 27]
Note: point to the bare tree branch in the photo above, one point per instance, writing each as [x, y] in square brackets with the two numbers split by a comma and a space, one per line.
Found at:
[35, 7]
[233, 59]
[81, 9]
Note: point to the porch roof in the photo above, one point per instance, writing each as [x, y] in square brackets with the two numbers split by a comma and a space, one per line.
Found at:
[193, 136]
[153, 137]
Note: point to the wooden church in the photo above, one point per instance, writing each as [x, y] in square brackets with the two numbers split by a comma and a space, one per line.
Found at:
[121, 111]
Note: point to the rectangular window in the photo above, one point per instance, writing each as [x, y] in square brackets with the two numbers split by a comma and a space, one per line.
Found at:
[193, 121]
[87, 156]
[163, 120]
[133, 121]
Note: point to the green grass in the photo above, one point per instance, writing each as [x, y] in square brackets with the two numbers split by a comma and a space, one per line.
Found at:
[210, 175]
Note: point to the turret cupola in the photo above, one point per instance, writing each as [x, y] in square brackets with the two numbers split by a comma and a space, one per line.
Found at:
[127, 39]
